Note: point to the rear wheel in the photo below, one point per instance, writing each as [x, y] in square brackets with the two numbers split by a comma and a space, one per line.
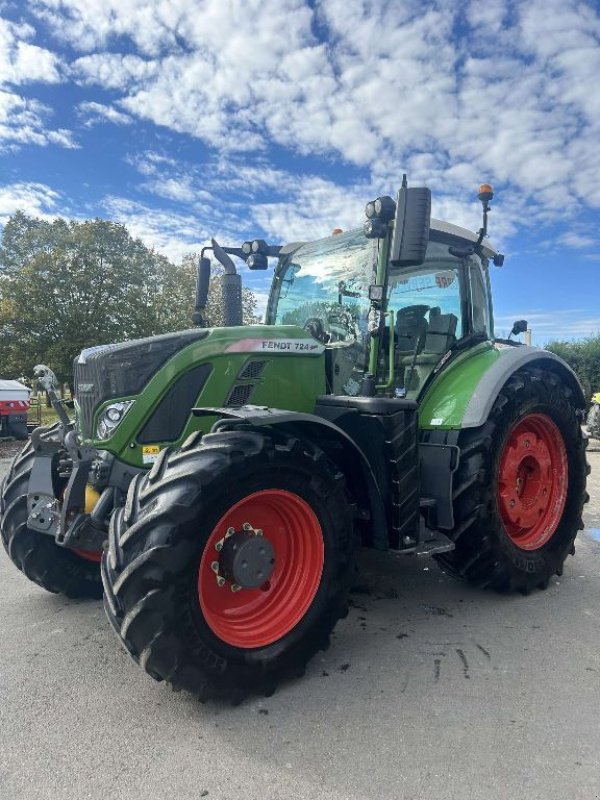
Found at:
[231, 563]
[56, 569]
[519, 488]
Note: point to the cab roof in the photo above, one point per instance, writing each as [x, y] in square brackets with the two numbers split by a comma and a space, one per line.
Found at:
[449, 229]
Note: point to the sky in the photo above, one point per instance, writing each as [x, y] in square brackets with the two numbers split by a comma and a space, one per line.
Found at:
[280, 119]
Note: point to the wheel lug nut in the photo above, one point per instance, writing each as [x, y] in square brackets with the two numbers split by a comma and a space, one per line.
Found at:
[220, 581]
[246, 526]
[235, 587]
[215, 566]
[219, 546]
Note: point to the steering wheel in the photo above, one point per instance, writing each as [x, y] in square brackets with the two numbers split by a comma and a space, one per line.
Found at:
[316, 328]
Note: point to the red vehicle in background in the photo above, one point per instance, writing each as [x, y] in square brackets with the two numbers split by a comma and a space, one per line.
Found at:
[14, 405]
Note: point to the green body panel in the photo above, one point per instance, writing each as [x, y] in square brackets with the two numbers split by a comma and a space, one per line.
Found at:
[291, 379]
[446, 399]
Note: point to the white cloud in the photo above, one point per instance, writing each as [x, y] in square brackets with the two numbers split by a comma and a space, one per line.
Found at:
[172, 234]
[35, 199]
[98, 112]
[23, 120]
[578, 239]
[21, 61]
[113, 70]
[513, 100]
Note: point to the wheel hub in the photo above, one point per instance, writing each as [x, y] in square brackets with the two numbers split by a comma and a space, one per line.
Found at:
[247, 559]
[265, 609]
[532, 481]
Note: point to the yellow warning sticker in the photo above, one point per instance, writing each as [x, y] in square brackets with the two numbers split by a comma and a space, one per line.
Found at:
[150, 453]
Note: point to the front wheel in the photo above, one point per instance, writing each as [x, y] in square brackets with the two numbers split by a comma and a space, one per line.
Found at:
[74, 573]
[519, 489]
[230, 563]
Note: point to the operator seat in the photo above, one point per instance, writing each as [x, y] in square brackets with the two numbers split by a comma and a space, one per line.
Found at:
[441, 335]
[411, 330]
[411, 333]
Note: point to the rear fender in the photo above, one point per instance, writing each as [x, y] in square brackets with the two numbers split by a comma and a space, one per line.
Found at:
[463, 393]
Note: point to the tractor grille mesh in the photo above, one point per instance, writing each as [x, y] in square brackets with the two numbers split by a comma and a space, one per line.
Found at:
[253, 369]
[122, 370]
[240, 394]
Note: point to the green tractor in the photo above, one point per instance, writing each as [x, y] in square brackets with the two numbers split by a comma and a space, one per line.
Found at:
[215, 484]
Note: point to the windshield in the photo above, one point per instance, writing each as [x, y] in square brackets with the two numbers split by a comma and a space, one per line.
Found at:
[324, 287]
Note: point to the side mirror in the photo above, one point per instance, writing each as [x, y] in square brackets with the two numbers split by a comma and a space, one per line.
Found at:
[411, 231]
[520, 326]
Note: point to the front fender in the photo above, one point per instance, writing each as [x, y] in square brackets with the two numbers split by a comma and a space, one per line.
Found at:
[345, 453]
[464, 392]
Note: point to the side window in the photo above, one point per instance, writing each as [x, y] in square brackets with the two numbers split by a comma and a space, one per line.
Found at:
[479, 301]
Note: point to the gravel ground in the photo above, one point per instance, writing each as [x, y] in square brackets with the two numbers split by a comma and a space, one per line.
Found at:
[430, 690]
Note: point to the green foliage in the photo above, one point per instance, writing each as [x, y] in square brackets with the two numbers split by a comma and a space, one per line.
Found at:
[66, 285]
[583, 357]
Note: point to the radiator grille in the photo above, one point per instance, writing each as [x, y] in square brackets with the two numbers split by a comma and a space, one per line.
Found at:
[253, 369]
[122, 370]
[240, 394]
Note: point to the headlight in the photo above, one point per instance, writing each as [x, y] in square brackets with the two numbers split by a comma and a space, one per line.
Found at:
[111, 417]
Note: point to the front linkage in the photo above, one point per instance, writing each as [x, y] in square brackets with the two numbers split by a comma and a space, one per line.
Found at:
[68, 478]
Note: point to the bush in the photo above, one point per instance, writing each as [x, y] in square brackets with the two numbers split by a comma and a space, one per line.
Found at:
[584, 359]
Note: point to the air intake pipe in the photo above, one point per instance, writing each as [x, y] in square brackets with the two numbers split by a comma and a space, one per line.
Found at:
[202, 285]
[231, 288]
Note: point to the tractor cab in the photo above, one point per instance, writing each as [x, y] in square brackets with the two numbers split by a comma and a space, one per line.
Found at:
[424, 311]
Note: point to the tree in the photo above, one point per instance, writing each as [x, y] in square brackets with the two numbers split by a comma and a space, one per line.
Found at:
[67, 285]
[583, 357]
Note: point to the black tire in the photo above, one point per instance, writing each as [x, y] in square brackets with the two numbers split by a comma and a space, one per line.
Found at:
[156, 542]
[56, 569]
[485, 555]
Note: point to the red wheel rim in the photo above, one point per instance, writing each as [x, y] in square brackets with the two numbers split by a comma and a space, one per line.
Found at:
[89, 555]
[533, 479]
[258, 617]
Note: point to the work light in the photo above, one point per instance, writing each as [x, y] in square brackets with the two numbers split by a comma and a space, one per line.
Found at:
[257, 261]
[260, 246]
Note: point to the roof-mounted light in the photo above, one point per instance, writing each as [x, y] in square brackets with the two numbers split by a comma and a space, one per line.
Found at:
[260, 246]
[385, 208]
[257, 261]
[374, 228]
[486, 193]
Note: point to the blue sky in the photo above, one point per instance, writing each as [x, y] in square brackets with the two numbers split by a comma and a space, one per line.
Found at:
[281, 118]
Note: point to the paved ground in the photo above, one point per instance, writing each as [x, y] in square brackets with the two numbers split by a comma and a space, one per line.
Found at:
[430, 690]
